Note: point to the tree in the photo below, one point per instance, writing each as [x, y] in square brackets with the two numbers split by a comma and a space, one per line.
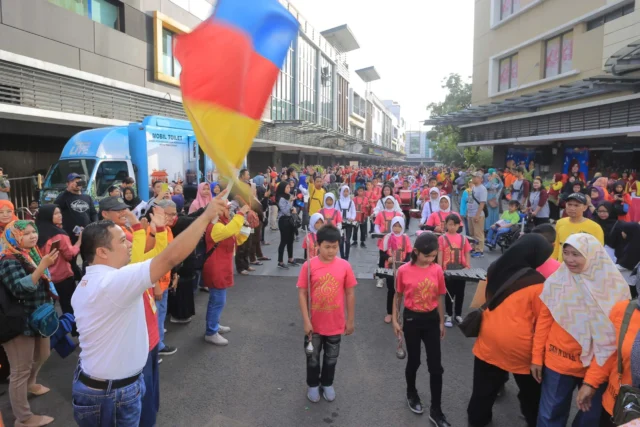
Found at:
[446, 138]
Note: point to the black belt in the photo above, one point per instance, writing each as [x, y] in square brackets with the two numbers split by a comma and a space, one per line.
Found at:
[104, 384]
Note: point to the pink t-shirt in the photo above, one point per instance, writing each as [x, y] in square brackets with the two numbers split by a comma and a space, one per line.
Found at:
[382, 219]
[421, 286]
[310, 243]
[331, 216]
[437, 218]
[328, 284]
[456, 242]
[549, 267]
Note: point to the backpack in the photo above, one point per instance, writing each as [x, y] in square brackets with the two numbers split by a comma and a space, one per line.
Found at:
[457, 254]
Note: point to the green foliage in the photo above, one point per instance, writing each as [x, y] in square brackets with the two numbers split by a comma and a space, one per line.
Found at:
[446, 138]
[296, 167]
[479, 157]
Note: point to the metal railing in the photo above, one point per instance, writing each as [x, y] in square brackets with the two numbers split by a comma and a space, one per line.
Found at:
[31, 87]
[24, 190]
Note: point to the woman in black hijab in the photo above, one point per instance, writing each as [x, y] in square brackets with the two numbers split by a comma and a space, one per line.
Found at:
[130, 198]
[181, 304]
[606, 218]
[625, 240]
[505, 341]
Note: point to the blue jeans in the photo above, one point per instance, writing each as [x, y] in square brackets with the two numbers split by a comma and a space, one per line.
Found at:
[217, 300]
[493, 235]
[556, 398]
[151, 399]
[107, 408]
[162, 316]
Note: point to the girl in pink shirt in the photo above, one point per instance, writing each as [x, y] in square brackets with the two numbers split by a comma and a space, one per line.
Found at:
[436, 221]
[421, 285]
[383, 225]
[397, 249]
[331, 215]
[310, 243]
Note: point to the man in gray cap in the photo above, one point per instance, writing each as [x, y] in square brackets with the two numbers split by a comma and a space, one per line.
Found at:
[115, 209]
[475, 213]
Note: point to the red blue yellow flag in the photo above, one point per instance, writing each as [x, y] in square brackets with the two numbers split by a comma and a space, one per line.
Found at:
[230, 63]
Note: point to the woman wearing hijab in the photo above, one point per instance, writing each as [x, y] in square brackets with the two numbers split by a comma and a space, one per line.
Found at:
[505, 341]
[574, 330]
[181, 305]
[596, 196]
[494, 192]
[621, 201]
[606, 218]
[7, 215]
[430, 206]
[310, 242]
[625, 240]
[203, 198]
[130, 198]
[387, 191]
[49, 224]
[602, 182]
[24, 275]
[629, 343]
[348, 211]
[437, 221]
[285, 209]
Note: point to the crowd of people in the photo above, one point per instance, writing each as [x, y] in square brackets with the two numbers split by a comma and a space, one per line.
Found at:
[556, 300]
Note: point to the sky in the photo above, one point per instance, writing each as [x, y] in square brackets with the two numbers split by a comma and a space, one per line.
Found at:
[413, 44]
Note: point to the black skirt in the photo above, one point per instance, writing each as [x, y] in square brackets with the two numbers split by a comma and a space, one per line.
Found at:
[181, 303]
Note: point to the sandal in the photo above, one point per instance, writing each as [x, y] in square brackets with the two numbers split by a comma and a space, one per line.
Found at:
[244, 272]
[251, 269]
[256, 263]
[264, 258]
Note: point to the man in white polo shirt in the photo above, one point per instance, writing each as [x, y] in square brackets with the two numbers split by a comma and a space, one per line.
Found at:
[109, 310]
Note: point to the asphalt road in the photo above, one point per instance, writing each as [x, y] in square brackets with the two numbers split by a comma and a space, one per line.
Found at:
[259, 379]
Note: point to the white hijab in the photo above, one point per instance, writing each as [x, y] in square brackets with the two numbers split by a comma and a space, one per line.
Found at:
[313, 220]
[332, 197]
[380, 206]
[448, 210]
[344, 201]
[391, 239]
[397, 220]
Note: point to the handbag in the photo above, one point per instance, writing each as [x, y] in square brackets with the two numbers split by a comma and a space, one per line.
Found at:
[470, 326]
[457, 265]
[295, 221]
[493, 203]
[44, 320]
[627, 405]
[12, 316]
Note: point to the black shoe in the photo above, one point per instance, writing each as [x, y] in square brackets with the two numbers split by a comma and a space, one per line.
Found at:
[362, 245]
[283, 266]
[415, 404]
[354, 244]
[294, 263]
[167, 351]
[438, 419]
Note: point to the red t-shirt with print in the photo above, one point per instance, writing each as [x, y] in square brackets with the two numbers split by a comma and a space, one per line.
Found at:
[421, 286]
[328, 284]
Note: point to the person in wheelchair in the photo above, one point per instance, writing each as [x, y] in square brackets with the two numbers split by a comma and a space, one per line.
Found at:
[508, 219]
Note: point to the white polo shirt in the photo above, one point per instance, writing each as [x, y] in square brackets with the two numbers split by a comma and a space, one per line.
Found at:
[109, 312]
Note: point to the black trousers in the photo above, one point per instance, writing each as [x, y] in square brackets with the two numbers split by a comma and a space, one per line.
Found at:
[391, 291]
[65, 289]
[455, 287]
[330, 346]
[423, 328]
[382, 258]
[605, 419]
[373, 225]
[407, 219]
[363, 232]
[242, 255]
[345, 241]
[286, 238]
[487, 381]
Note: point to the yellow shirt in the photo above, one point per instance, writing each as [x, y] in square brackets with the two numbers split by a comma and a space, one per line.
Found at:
[565, 228]
[316, 199]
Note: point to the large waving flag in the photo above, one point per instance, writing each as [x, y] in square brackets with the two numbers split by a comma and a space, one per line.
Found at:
[230, 63]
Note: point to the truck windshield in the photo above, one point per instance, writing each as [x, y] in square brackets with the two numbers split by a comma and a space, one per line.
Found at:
[58, 176]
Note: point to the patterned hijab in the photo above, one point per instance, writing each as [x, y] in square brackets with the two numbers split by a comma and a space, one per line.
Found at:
[29, 258]
[581, 303]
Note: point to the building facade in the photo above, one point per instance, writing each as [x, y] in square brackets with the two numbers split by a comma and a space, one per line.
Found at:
[399, 125]
[418, 148]
[71, 65]
[555, 81]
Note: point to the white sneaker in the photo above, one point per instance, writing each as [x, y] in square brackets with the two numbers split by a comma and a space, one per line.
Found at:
[458, 319]
[223, 329]
[447, 322]
[380, 283]
[216, 339]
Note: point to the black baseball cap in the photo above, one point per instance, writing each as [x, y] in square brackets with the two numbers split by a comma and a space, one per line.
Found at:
[112, 204]
[578, 197]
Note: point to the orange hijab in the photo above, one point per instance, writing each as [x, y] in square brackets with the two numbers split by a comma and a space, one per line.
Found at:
[8, 204]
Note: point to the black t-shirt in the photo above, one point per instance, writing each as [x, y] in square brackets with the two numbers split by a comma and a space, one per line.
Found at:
[77, 210]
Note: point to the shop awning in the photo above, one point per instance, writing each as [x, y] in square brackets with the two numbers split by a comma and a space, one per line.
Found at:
[341, 38]
[625, 60]
[532, 101]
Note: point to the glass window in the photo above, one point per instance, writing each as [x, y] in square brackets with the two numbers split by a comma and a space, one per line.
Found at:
[108, 174]
[106, 12]
[170, 65]
[326, 92]
[282, 94]
[307, 56]
[508, 8]
[508, 69]
[57, 178]
[559, 55]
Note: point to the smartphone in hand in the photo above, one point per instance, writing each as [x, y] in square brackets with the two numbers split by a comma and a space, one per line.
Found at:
[55, 246]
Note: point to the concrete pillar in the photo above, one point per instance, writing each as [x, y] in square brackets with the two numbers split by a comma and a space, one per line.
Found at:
[276, 159]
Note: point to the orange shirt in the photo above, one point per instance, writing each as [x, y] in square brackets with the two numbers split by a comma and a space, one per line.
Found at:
[506, 333]
[555, 348]
[166, 279]
[509, 179]
[597, 375]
